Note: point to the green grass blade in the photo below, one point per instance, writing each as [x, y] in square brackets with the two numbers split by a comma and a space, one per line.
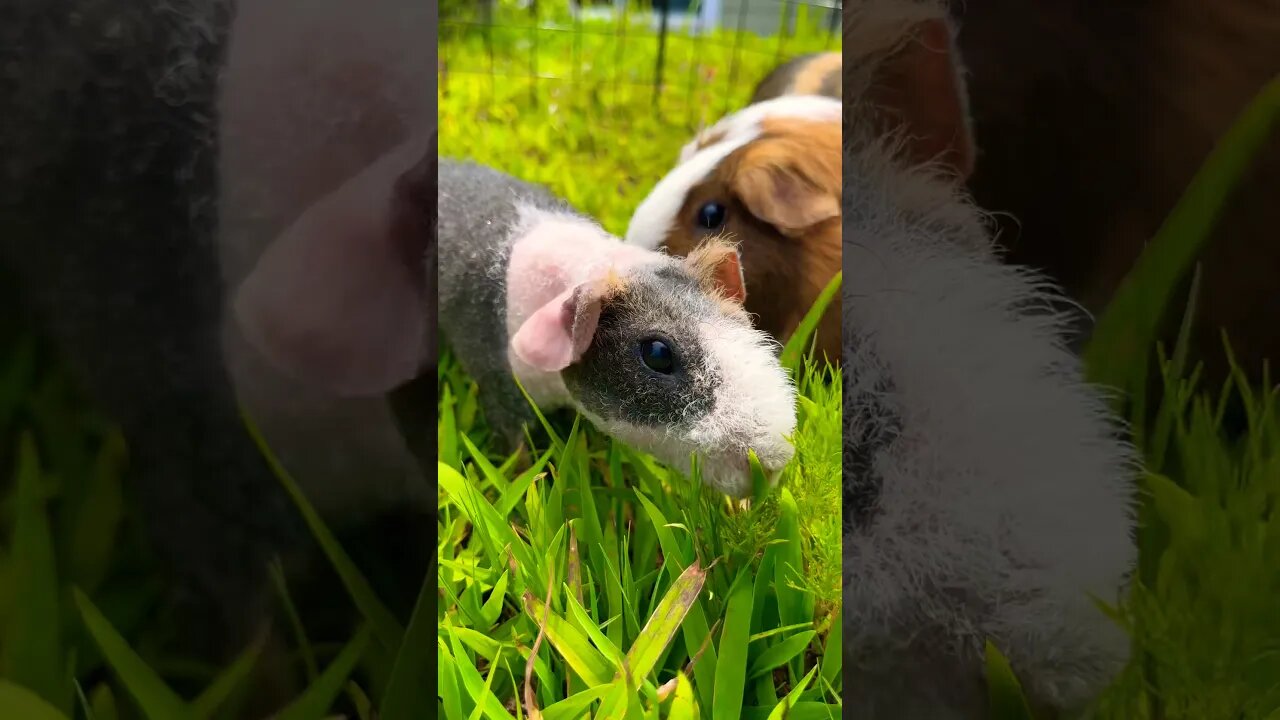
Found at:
[19, 702]
[780, 654]
[575, 706]
[295, 622]
[406, 692]
[384, 625]
[572, 645]
[794, 351]
[1005, 693]
[489, 524]
[1126, 331]
[731, 660]
[832, 656]
[32, 648]
[665, 622]
[230, 681]
[683, 704]
[319, 697]
[156, 700]
[480, 693]
[783, 709]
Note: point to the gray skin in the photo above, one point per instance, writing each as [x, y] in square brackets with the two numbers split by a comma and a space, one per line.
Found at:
[478, 219]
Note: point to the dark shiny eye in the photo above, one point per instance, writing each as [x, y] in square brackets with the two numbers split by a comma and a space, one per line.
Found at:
[657, 356]
[712, 216]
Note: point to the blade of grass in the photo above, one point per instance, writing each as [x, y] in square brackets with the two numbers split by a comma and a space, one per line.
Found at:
[229, 681]
[156, 700]
[19, 702]
[319, 697]
[1126, 331]
[572, 645]
[406, 692]
[32, 648]
[793, 352]
[780, 654]
[1005, 692]
[731, 660]
[665, 622]
[384, 625]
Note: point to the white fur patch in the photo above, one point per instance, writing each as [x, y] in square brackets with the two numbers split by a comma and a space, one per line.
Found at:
[755, 406]
[1006, 496]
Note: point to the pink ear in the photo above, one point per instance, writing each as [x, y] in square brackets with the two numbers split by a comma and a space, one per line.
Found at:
[339, 298]
[558, 333]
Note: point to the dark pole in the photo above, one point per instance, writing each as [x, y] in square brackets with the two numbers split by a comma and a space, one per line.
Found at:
[662, 50]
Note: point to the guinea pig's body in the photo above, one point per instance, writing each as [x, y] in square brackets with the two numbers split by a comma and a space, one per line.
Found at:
[532, 290]
[768, 177]
[318, 98]
[812, 74]
[992, 495]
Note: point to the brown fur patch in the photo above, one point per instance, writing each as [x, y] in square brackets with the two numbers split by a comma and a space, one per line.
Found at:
[815, 74]
[784, 271]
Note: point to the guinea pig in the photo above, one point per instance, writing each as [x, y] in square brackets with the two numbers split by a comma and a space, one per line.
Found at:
[812, 74]
[769, 177]
[653, 350]
[988, 490]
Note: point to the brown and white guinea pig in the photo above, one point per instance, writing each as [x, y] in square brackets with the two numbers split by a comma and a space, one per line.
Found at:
[768, 177]
[812, 74]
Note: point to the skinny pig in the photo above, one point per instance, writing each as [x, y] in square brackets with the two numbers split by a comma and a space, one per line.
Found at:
[654, 350]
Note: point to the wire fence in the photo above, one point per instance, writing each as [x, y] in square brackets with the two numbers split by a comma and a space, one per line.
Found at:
[673, 50]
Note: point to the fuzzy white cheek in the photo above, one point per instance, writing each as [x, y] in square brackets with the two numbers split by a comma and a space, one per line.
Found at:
[755, 401]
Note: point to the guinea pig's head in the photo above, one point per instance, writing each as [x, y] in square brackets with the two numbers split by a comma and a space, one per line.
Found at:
[769, 178]
[668, 362]
[345, 298]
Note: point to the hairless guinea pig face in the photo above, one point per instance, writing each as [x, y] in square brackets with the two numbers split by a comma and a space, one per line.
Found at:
[675, 367]
[769, 179]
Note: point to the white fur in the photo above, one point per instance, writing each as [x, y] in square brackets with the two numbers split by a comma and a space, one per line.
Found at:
[747, 120]
[1006, 497]
[312, 93]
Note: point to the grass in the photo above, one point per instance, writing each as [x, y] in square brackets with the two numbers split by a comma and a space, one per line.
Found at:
[588, 578]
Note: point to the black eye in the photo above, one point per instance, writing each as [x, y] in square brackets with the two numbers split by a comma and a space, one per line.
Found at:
[657, 356]
[712, 215]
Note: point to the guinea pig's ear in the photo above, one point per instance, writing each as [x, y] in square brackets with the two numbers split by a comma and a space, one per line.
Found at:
[718, 267]
[921, 90]
[557, 334]
[338, 300]
[788, 182]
